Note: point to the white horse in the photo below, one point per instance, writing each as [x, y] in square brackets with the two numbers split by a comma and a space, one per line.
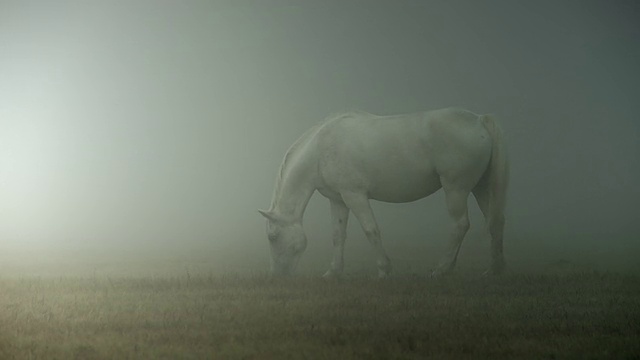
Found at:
[354, 157]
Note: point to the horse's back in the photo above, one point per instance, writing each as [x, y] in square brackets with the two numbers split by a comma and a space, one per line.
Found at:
[403, 157]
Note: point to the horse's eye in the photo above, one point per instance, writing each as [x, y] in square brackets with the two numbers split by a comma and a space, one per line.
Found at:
[272, 237]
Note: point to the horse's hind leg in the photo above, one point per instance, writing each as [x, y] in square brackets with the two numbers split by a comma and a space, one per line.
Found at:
[339, 218]
[359, 205]
[496, 229]
[456, 200]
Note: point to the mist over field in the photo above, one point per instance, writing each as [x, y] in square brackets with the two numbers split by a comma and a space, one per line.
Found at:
[141, 137]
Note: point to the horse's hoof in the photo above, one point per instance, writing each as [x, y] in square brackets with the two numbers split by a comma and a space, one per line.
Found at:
[492, 273]
[496, 268]
[384, 269]
[384, 273]
[331, 274]
[438, 273]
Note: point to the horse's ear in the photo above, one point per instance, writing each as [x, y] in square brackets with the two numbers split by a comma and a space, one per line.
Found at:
[268, 214]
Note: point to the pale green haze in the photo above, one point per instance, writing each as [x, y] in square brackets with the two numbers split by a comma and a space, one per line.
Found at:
[142, 136]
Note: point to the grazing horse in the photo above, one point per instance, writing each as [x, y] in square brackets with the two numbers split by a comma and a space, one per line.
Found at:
[354, 157]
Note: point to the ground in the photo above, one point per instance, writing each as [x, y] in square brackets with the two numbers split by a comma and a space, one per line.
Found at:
[574, 315]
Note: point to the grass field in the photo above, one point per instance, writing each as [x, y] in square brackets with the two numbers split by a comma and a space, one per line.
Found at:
[579, 316]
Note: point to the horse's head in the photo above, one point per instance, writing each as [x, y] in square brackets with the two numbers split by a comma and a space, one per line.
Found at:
[287, 241]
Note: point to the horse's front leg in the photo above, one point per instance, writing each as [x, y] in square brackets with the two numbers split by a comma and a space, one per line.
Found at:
[359, 205]
[339, 219]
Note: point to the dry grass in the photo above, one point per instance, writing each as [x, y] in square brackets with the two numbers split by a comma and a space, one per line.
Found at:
[242, 317]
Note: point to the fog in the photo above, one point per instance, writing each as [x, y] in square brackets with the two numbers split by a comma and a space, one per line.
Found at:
[146, 134]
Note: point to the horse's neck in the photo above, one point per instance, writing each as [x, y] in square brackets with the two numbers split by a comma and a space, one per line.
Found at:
[293, 191]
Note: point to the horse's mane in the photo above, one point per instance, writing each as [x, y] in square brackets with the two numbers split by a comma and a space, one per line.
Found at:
[287, 158]
[347, 113]
[303, 140]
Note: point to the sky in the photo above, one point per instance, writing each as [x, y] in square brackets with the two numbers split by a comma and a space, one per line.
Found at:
[138, 126]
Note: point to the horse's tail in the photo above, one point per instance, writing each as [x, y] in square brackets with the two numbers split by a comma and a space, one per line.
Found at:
[498, 170]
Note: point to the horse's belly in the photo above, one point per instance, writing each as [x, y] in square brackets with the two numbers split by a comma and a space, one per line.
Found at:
[404, 186]
[394, 179]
